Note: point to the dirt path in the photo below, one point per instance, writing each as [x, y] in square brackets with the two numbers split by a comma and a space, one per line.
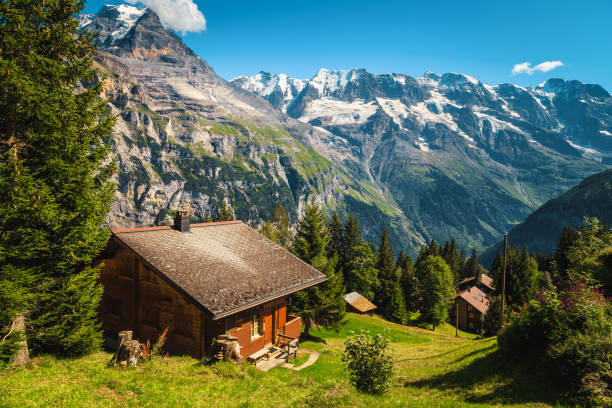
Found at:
[312, 358]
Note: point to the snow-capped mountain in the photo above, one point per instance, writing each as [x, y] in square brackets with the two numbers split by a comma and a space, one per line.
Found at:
[457, 156]
[431, 157]
[579, 114]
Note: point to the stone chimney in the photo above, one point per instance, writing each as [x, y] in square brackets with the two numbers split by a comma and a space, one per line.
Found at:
[182, 219]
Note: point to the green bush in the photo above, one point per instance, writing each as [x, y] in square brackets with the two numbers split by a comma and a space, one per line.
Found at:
[367, 360]
[569, 331]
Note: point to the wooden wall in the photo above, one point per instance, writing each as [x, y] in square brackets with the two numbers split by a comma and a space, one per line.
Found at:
[135, 298]
[239, 325]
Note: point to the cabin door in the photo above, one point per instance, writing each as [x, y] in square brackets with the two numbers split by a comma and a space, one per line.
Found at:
[268, 325]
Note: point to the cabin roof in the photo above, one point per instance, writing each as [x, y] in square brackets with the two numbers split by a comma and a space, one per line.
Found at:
[475, 297]
[485, 279]
[226, 267]
[359, 302]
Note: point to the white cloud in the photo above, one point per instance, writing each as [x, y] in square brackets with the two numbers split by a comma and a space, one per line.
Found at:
[180, 15]
[526, 68]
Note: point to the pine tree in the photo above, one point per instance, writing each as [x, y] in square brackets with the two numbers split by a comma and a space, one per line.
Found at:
[389, 298]
[521, 276]
[280, 218]
[335, 238]
[55, 176]
[278, 230]
[226, 213]
[453, 259]
[561, 263]
[322, 304]
[437, 290]
[472, 268]
[409, 284]
[358, 261]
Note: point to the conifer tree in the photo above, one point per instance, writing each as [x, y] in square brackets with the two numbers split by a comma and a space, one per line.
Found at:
[278, 230]
[280, 218]
[472, 268]
[358, 261]
[409, 284]
[55, 176]
[437, 290]
[335, 238]
[322, 304]
[226, 213]
[521, 276]
[389, 298]
[453, 259]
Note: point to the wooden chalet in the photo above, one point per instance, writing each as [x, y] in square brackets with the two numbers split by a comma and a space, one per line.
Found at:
[356, 303]
[201, 281]
[471, 307]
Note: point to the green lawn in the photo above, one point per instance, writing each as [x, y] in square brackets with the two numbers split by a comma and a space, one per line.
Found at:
[433, 370]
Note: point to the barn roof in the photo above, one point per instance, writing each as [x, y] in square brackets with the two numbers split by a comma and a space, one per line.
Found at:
[359, 302]
[226, 267]
[477, 298]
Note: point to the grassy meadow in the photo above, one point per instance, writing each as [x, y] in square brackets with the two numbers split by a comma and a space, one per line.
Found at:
[433, 370]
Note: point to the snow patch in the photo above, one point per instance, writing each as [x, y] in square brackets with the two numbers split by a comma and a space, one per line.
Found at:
[587, 151]
[335, 112]
[329, 81]
[605, 132]
[127, 16]
[395, 109]
[496, 124]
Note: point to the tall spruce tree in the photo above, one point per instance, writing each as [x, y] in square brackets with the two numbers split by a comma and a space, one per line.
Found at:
[472, 267]
[278, 230]
[522, 276]
[226, 213]
[322, 304]
[335, 238]
[55, 176]
[358, 261]
[437, 290]
[453, 258]
[409, 284]
[389, 297]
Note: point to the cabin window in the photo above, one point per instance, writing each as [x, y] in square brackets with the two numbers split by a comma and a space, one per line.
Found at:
[471, 325]
[470, 308]
[255, 325]
[151, 317]
[183, 325]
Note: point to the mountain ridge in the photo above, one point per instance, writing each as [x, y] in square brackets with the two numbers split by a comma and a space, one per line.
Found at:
[437, 157]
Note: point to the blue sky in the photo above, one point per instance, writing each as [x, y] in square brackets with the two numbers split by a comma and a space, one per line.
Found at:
[485, 39]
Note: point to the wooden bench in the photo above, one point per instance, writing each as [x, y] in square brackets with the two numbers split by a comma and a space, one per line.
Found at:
[258, 355]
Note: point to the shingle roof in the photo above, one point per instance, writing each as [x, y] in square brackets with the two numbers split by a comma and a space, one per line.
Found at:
[484, 279]
[359, 302]
[475, 297]
[225, 267]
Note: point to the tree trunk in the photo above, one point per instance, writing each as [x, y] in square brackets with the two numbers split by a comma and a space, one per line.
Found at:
[22, 357]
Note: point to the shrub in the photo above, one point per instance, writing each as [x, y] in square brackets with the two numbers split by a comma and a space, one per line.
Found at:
[367, 360]
[569, 331]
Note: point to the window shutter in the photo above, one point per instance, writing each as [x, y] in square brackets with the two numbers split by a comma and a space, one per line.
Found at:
[262, 324]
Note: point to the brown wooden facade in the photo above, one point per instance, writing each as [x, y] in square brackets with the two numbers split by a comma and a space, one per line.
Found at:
[137, 298]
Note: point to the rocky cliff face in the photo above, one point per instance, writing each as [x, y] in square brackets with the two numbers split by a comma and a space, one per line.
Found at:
[456, 156]
[185, 135]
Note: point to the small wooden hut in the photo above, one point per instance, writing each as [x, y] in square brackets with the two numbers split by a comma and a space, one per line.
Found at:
[356, 303]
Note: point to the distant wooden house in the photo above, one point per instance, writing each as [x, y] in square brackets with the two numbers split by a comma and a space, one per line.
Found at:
[484, 282]
[358, 304]
[201, 281]
[471, 306]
